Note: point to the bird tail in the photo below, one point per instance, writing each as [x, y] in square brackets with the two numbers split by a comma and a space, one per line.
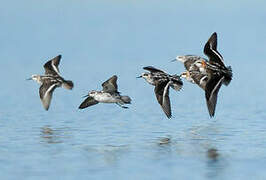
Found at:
[68, 85]
[228, 76]
[126, 99]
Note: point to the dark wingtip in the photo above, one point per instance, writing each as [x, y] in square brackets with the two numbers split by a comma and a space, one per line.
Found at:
[213, 37]
[169, 116]
[81, 107]
[211, 110]
[211, 113]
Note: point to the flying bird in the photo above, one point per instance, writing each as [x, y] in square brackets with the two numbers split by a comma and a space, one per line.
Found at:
[162, 81]
[50, 81]
[207, 74]
[109, 94]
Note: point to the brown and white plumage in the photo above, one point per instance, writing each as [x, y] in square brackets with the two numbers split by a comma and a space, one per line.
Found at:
[162, 94]
[50, 81]
[207, 74]
[162, 81]
[46, 92]
[89, 101]
[109, 94]
[51, 66]
[110, 85]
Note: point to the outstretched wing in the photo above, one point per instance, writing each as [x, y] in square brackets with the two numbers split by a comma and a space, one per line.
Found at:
[110, 85]
[210, 49]
[162, 94]
[51, 67]
[211, 92]
[46, 92]
[89, 101]
[152, 69]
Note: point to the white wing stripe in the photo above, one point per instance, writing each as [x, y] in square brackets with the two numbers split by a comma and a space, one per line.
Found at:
[55, 68]
[48, 90]
[214, 51]
[165, 91]
[216, 86]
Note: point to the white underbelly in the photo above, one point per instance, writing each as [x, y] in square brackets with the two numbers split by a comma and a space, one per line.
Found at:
[150, 81]
[105, 98]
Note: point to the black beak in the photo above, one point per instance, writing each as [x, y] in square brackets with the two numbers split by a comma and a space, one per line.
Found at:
[173, 60]
[28, 79]
[139, 77]
[85, 96]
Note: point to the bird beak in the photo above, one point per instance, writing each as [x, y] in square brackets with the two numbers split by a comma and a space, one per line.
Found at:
[173, 60]
[28, 79]
[85, 96]
[139, 76]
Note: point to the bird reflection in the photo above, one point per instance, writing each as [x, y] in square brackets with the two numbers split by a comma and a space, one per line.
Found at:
[112, 153]
[213, 154]
[216, 164]
[164, 141]
[109, 154]
[52, 136]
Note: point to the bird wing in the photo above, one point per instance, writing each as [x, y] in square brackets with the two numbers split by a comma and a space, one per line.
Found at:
[153, 69]
[210, 49]
[51, 67]
[89, 101]
[176, 82]
[110, 85]
[46, 92]
[162, 94]
[211, 92]
[199, 78]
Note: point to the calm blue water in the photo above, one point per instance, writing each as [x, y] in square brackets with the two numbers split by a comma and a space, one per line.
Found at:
[103, 38]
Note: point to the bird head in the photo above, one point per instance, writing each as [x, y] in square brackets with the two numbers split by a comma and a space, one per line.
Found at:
[36, 78]
[180, 58]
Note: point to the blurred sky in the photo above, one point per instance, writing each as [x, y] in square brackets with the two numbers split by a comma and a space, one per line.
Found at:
[100, 38]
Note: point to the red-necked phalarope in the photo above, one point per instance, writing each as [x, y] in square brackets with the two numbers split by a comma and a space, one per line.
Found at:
[208, 74]
[162, 81]
[109, 94]
[50, 81]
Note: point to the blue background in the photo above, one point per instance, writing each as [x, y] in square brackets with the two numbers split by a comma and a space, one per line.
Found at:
[98, 39]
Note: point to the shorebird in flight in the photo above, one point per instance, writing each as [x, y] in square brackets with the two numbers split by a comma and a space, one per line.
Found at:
[162, 81]
[50, 81]
[109, 94]
[208, 74]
